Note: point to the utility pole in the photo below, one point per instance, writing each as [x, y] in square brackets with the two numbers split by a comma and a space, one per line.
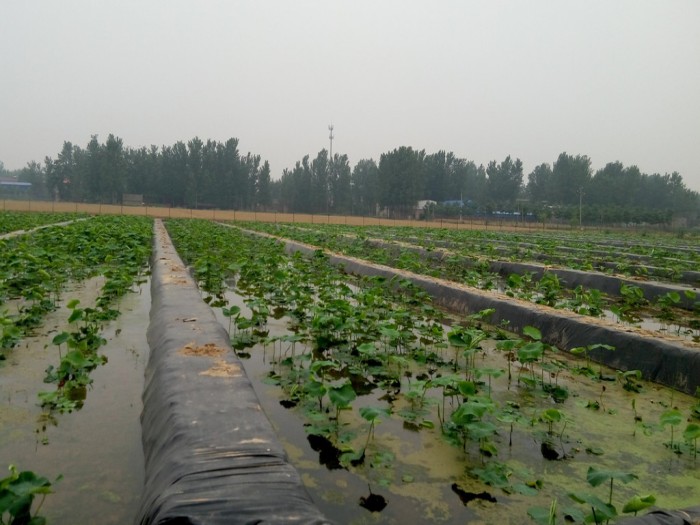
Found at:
[580, 208]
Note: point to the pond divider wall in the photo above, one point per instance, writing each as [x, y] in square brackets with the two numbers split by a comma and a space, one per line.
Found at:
[664, 361]
[689, 516]
[645, 263]
[211, 454]
[608, 284]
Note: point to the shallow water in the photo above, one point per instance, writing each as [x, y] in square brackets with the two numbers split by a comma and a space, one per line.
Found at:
[337, 492]
[96, 449]
[417, 482]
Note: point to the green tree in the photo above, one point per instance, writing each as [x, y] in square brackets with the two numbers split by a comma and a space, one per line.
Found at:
[320, 183]
[262, 187]
[230, 175]
[681, 198]
[539, 184]
[194, 172]
[615, 185]
[475, 184]
[114, 170]
[294, 188]
[212, 191]
[438, 175]
[250, 164]
[3, 171]
[450, 178]
[174, 173]
[570, 176]
[60, 173]
[89, 162]
[143, 173]
[504, 181]
[137, 164]
[35, 175]
[341, 188]
[363, 184]
[467, 181]
[401, 180]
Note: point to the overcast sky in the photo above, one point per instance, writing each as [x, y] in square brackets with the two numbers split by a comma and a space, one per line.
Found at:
[614, 80]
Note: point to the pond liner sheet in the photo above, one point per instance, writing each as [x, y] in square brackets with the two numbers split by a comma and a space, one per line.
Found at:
[211, 454]
[663, 361]
[643, 260]
[570, 278]
[689, 516]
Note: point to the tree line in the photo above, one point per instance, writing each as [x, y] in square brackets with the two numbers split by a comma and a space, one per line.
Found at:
[193, 174]
[459, 186]
[213, 174]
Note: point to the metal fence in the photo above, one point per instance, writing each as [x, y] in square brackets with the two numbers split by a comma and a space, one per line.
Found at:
[466, 223]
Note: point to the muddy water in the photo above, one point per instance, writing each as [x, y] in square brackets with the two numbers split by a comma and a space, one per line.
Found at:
[417, 481]
[680, 331]
[97, 449]
[426, 498]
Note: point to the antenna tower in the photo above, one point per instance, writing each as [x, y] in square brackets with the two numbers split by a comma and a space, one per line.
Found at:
[330, 153]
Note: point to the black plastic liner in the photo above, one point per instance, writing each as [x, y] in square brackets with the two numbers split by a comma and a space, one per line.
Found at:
[608, 284]
[211, 455]
[690, 516]
[644, 263]
[663, 361]
[570, 278]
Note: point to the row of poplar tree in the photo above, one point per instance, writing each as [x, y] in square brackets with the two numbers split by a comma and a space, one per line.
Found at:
[213, 174]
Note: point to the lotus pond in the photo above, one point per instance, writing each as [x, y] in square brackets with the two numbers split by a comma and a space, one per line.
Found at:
[394, 410]
[74, 306]
[664, 307]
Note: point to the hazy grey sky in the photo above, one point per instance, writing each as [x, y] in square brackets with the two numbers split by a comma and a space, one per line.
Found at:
[614, 80]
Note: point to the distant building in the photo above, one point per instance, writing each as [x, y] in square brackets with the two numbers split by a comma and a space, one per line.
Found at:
[422, 207]
[132, 199]
[9, 187]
